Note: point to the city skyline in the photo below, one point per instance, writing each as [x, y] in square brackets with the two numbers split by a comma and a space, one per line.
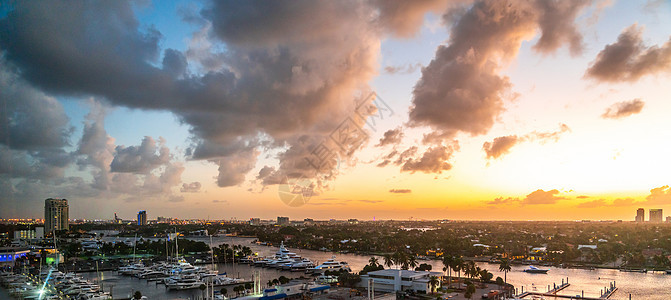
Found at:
[478, 110]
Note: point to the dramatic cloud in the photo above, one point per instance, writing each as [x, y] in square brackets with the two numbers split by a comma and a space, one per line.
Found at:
[404, 18]
[138, 171]
[623, 109]
[542, 197]
[270, 72]
[140, 159]
[434, 160]
[462, 90]
[629, 58]
[660, 195]
[557, 26]
[193, 187]
[34, 129]
[500, 146]
[391, 137]
[400, 191]
[232, 170]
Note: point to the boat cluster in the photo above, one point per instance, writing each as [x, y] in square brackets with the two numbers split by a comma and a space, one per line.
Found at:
[50, 284]
[289, 261]
[178, 275]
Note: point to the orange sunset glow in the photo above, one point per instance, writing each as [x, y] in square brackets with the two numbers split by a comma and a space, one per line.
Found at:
[465, 110]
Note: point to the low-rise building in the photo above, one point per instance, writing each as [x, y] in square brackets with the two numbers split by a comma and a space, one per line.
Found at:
[393, 280]
[8, 255]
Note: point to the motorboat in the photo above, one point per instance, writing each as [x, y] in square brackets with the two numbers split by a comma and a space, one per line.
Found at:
[535, 270]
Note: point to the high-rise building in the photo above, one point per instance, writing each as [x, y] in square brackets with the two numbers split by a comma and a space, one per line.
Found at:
[656, 215]
[142, 218]
[640, 215]
[282, 220]
[56, 213]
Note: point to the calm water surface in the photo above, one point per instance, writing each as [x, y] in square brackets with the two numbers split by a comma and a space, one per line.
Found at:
[640, 286]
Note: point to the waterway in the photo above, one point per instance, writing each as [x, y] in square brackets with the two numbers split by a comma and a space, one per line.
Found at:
[654, 286]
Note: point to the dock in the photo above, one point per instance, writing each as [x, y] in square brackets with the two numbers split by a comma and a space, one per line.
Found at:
[605, 293]
[608, 291]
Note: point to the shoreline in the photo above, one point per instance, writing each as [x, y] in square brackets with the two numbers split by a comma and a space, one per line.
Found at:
[488, 260]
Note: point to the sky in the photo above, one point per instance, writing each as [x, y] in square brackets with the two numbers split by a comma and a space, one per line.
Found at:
[368, 109]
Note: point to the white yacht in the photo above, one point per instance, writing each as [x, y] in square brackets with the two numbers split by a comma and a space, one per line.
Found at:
[185, 284]
[330, 265]
[301, 266]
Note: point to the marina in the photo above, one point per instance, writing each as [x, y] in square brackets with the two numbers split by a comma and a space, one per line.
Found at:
[124, 282]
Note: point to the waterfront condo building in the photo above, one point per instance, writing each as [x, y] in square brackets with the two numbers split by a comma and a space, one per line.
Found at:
[56, 213]
[656, 215]
[640, 215]
[142, 218]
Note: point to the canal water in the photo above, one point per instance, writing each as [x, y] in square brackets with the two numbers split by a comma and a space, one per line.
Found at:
[655, 286]
[590, 282]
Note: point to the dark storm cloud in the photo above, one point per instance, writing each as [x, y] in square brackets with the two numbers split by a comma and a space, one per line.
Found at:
[140, 159]
[30, 120]
[34, 129]
[629, 59]
[623, 109]
[83, 47]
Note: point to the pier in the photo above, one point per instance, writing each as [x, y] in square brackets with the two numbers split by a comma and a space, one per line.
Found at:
[605, 293]
[608, 291]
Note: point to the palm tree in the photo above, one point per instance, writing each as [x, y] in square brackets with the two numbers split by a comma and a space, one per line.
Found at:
[505, 268]
[373, 261]
[458, 265]
[448, 261]
[433, 282]
[397, 258]
[470, 269]
[412, 261]
[388, 260]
